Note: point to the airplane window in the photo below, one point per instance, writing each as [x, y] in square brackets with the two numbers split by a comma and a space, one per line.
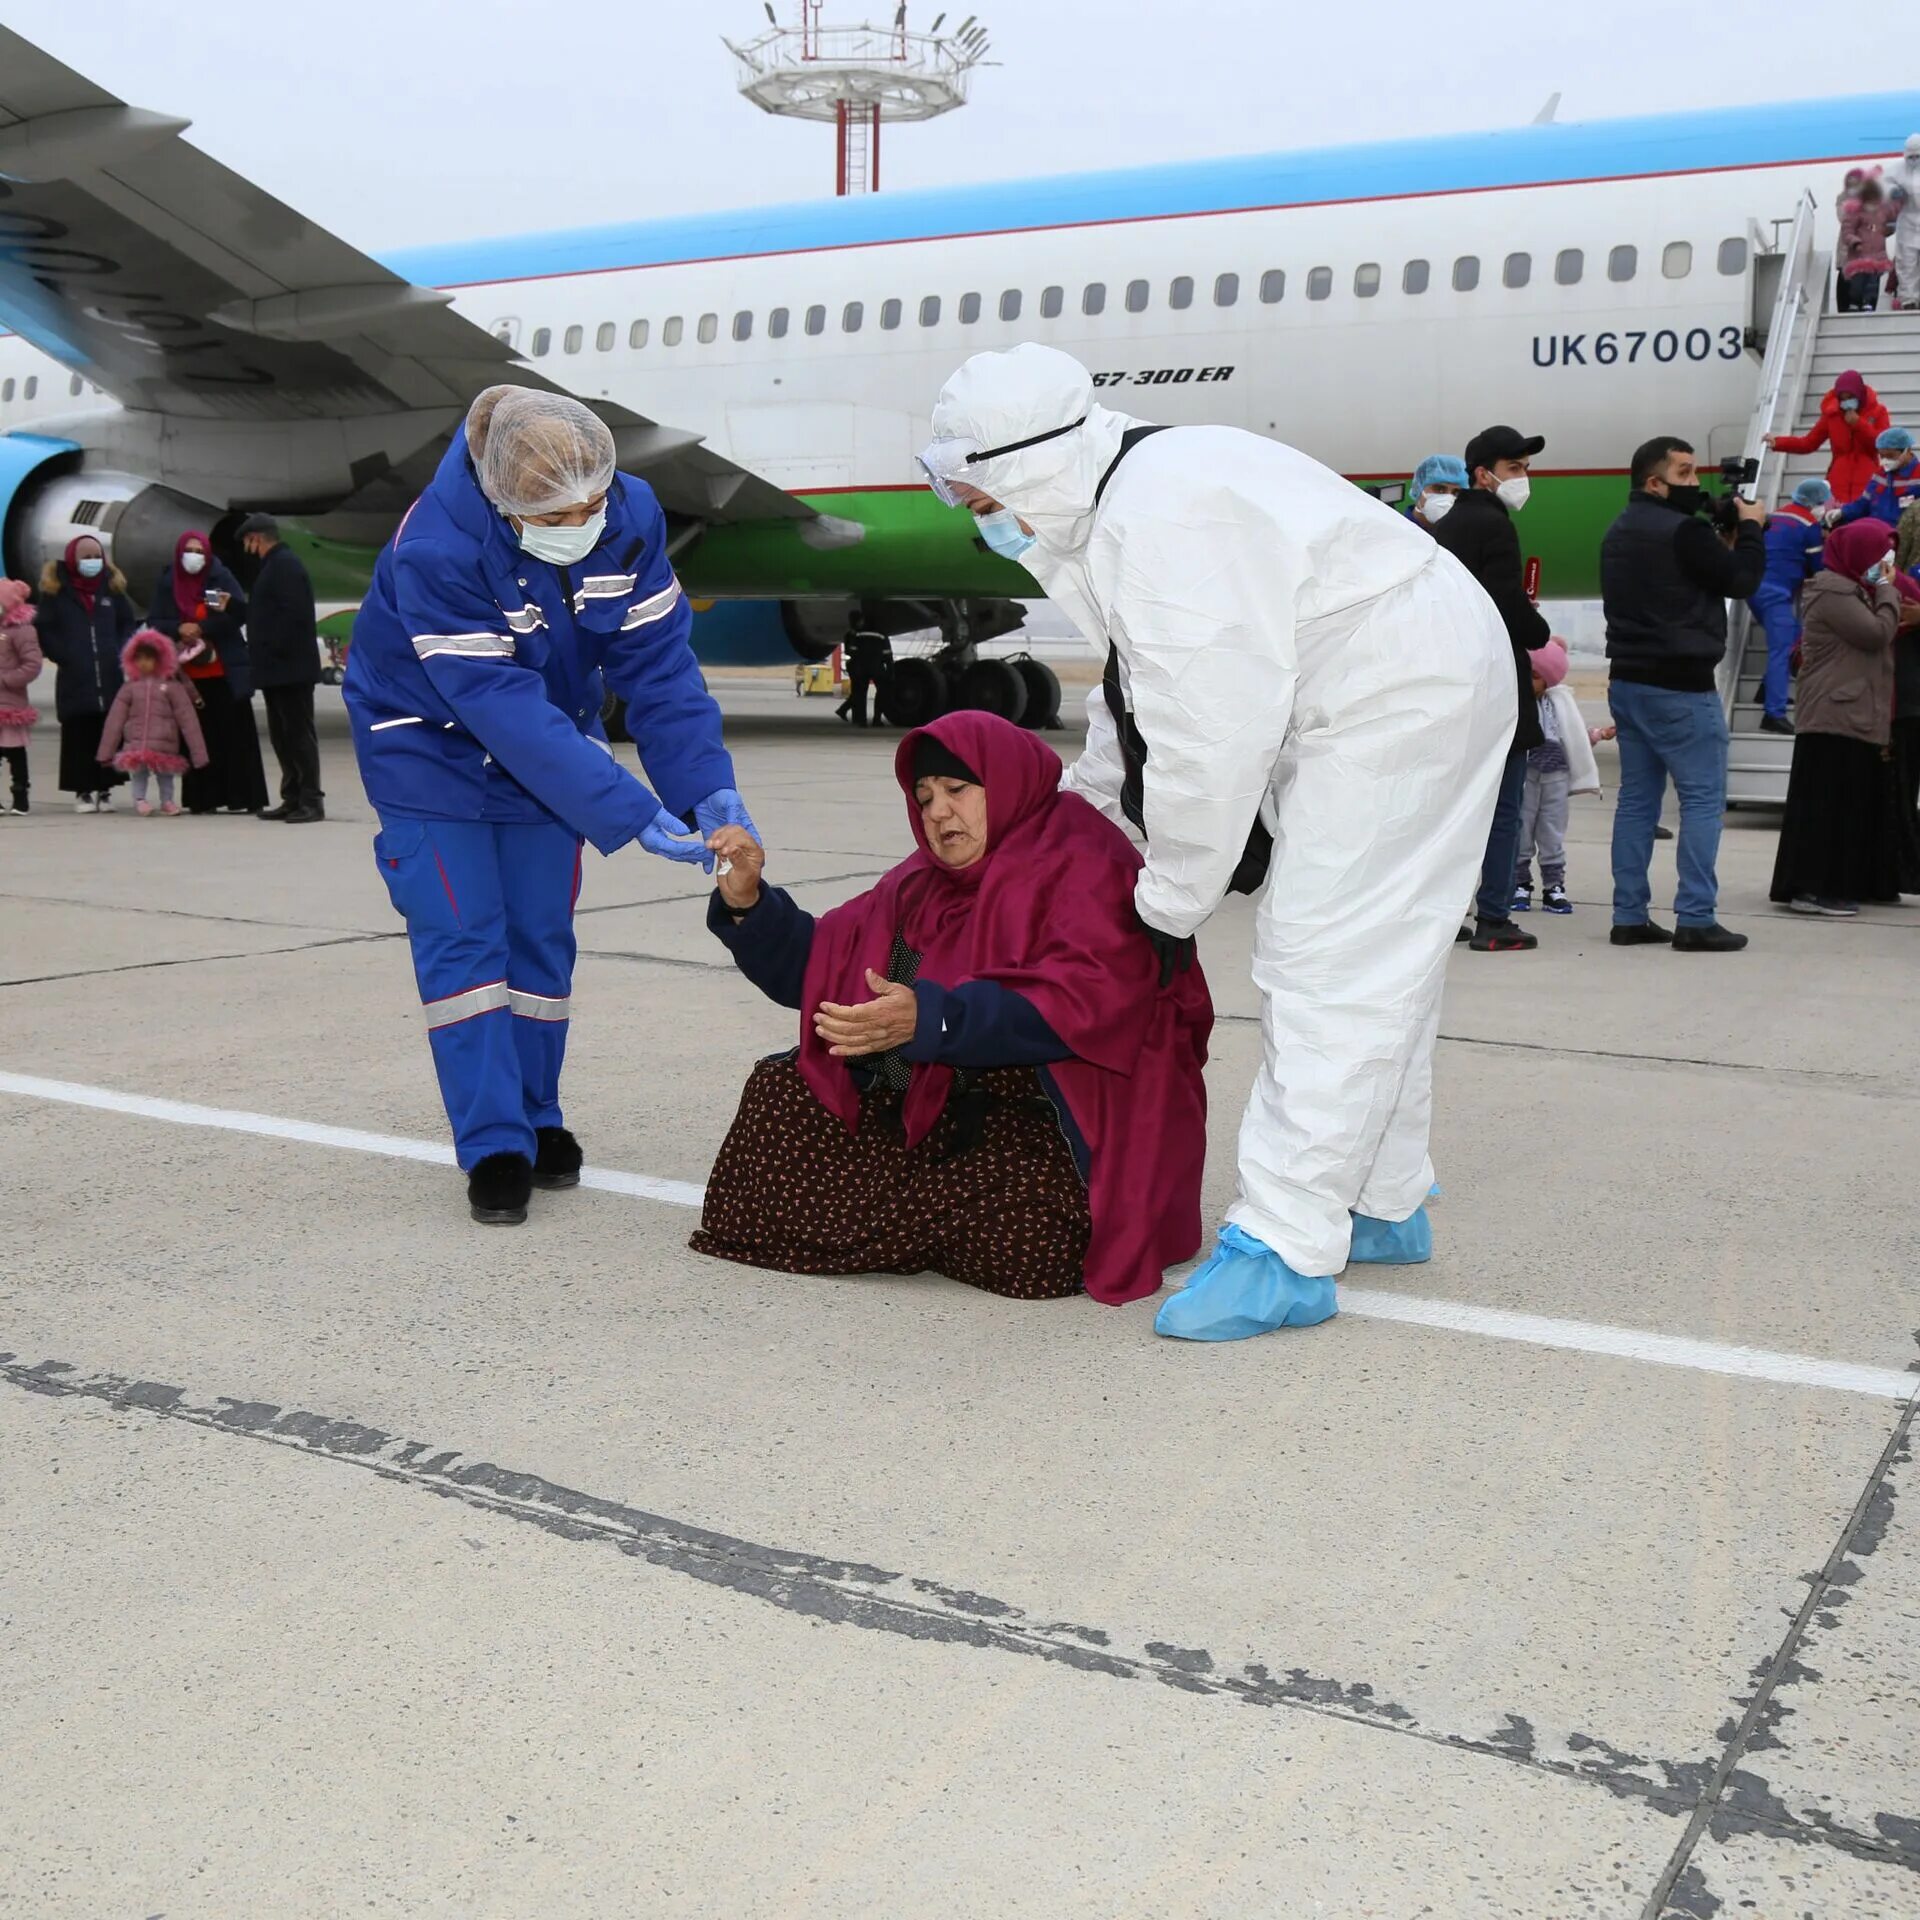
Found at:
[572, 339]
[969, 309]
[890, 314]
[503, 332]
[1010, 304]
[1366, 279]
[1052, 299]
[1568, 265]
[1136, 296]
[1517, 270]
[1226, 289]
[32, 387]
[1676, 259]
[851, 316]
[73, 385]
[1414, 276]
[1094, 300]
[816, 319]
[930, 310]
[1319, 283]
[1273, 286]
[637, 335]
[670, 333]
[1733, 256]
[1180, 294]
[708, 330]
[1623, 263]
[777, 324]
[6, 389]
[743, 325]
[603, 340]
[1466, 273]
[542, 340]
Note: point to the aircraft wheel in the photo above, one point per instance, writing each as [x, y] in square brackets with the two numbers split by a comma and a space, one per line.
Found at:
[915, 693]
[993, 686]
[1043, 695]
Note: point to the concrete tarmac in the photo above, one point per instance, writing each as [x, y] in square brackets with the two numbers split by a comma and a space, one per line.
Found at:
[354, 1559]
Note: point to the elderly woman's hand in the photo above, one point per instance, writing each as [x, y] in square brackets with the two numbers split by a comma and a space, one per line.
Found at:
[877, 1026]
[739, 860]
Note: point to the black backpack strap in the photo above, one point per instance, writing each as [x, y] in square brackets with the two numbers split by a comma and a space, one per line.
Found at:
[1128, 441]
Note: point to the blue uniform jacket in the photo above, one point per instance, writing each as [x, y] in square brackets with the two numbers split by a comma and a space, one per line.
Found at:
[474, 682]
[1886, 494]
[1793, 543]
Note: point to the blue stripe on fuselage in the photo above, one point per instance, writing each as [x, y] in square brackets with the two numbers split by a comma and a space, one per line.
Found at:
[1732, 137]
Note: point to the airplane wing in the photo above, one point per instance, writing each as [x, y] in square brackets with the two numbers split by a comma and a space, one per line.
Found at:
[181, 289]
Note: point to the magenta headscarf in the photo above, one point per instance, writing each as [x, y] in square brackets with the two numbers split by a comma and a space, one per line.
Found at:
[1048, 913]
[190, 589]
[1854, 548]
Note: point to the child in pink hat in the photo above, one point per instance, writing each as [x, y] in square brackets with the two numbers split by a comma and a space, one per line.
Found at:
[1561, 766]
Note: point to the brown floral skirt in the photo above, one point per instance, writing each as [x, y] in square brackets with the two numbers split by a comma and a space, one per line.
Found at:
[795, 1191]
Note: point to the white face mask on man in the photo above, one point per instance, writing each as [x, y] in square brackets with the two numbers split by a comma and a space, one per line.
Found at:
[564, 546]
[1513, 494]
[1435, 507]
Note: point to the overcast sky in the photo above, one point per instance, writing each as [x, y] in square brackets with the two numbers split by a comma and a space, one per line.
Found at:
[401, 121]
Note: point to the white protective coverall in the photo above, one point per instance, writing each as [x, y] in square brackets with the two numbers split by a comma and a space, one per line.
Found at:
[1293, 650]
[1905, 173]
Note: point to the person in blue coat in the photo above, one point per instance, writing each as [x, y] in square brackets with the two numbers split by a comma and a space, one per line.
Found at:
[1888, 492]
[1794, 534]
[527, 575]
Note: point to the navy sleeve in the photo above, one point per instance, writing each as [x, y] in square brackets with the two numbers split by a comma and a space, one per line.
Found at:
[981, 1025]
[770, 942]
[1732, 572]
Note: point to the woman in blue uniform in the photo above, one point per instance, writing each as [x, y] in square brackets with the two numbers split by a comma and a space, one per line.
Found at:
[528, 573]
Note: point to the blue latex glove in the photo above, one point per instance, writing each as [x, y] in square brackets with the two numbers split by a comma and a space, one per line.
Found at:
[723, 808]
[662, 835]
[1244, 1289]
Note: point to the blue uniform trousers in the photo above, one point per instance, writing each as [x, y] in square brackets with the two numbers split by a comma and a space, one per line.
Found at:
[489, 913]
[1775, 613]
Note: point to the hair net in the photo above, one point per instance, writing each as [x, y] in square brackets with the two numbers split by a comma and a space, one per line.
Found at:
[1439, 469]
[1895, 440]
[537, 452]
[1812, 493]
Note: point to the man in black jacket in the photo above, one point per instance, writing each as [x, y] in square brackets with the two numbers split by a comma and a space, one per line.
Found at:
[283, 649]
[1665, 579]
[1479, 533]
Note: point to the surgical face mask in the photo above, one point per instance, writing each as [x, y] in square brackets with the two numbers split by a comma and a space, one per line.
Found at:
[193, 562]
[564, 546]
[1435, 507]
[92, 567]
[1849, 406]
[1003, 532]
[1513, 494]
[1892, 462]
[1876, 573]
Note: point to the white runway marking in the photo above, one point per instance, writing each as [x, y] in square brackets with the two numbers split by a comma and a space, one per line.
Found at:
[1368, 1303]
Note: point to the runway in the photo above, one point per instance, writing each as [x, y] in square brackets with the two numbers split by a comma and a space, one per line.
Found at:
[362, 1560]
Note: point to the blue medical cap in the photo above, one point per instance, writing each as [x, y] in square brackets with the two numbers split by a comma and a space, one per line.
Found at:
[1812, 493]
[1439, 469]
[1895, 440]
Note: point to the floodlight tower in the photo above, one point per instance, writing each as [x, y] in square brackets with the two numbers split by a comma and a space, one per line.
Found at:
[858, 79]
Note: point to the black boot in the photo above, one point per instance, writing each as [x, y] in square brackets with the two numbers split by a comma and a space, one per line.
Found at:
[499, 1188]
[557, 1160]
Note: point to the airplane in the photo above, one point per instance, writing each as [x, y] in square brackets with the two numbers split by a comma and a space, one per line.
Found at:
[185, 348]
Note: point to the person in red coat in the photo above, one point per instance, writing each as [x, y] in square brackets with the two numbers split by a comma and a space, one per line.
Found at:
[1851, 421]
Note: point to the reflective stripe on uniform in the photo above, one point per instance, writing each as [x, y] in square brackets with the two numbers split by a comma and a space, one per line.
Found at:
[380, 726]
[524, 619]
[602, 586]
[540, 1006]
[478, 646]
[643, 611]
[464, 1006]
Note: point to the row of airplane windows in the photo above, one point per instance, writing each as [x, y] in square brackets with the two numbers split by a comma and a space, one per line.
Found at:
[1516, 270]
[30, 387]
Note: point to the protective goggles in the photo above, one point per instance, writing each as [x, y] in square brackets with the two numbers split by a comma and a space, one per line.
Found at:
[949, 464]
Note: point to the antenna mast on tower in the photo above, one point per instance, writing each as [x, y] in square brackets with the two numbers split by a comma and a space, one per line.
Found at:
[858, 78]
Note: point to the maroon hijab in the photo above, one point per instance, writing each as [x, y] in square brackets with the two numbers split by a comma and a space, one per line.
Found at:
[1047, 912]
[190, 589]
[83, 588]
[1852, 549]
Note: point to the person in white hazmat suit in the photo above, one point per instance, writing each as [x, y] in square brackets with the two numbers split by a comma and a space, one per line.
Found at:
[1906, 229]
[1306, 697]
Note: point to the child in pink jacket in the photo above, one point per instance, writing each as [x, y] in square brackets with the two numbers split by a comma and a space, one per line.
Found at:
[20, 664]
[151, 718]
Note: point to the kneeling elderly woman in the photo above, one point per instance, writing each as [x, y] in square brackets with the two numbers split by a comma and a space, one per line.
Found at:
[994, 1081]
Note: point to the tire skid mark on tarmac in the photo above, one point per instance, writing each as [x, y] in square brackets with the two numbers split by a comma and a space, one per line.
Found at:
[1705, 1793]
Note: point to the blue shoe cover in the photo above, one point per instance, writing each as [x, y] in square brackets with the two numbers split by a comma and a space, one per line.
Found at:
[1392, 1243]
[1436, 1191]
[1243, 1289]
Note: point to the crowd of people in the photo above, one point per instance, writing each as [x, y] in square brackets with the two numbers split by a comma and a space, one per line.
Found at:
[166, 703]
[1879, 239]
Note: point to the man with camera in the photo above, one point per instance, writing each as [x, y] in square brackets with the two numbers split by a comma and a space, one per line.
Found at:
[1665, 579]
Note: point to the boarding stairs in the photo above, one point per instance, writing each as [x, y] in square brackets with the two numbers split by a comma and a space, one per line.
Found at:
[1807, 344]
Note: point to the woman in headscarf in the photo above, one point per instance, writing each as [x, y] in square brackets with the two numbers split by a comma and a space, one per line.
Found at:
[1845, 837]
[997, 1078]
[199, 606]
[1852, 419]
[84, 619]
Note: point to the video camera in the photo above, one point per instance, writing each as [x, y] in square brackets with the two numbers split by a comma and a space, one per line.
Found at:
[1736, 473]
